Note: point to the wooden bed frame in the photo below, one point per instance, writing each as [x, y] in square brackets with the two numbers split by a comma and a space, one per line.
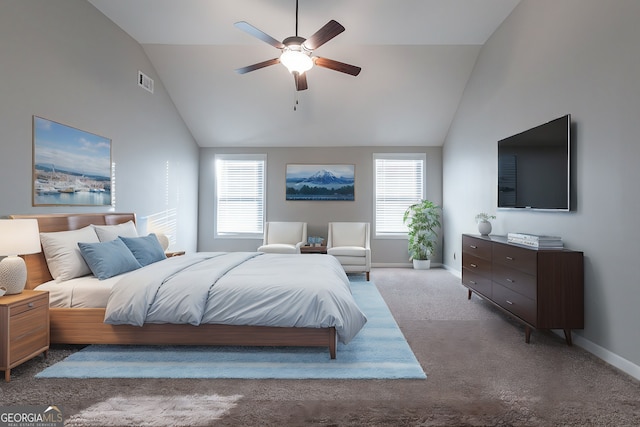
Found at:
[86, 325]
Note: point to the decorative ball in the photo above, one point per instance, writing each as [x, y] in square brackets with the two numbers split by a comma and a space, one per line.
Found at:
[13, 274]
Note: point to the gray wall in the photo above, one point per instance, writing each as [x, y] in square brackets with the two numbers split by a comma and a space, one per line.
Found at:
[316, 214]
[65, 61]
[547, 59]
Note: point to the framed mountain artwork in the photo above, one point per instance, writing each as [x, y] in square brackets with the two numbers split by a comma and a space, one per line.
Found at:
[320, 182]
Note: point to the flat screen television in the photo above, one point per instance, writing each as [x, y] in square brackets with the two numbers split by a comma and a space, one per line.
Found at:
[534, 167]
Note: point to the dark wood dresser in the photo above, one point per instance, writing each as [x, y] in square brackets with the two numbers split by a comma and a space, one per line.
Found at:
[542, 288]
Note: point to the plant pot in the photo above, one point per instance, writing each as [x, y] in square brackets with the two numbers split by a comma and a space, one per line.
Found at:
[421, 264]
[484, 227]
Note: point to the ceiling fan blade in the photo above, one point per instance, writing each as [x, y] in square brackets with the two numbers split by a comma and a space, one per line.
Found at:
[301, 81]
[337, 66]
[257, 66]
[250, 29]
[323, 35]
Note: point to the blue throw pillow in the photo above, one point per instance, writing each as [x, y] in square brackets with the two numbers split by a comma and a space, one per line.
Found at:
[108, 259]
[147, 249]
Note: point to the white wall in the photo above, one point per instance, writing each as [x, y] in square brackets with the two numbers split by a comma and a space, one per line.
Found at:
[65, 61]
[547, 59]
[316, 214]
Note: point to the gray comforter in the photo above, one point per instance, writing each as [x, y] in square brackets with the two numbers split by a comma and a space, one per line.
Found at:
[239, 288]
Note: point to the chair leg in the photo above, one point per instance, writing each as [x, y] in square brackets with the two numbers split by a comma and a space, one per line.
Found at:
[367, 273]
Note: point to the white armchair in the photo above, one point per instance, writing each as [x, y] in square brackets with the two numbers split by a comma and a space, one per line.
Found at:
[349, 243]
[284, 237]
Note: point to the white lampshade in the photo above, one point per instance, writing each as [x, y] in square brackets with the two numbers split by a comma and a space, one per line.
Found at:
[163, 239]
[295, 60]
[17, 237]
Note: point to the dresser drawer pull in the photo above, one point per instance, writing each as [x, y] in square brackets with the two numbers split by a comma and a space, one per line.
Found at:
[509, 258]
[509, 302]
[471, 282]
[473, 265]
[473, 246]
[30, 305]
[511, 280]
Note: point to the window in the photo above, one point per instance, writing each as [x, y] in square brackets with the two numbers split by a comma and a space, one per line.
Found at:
[240, 195]
[399, 182]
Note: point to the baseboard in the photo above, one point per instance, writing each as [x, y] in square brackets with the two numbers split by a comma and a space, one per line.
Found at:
[607, 356]
[401, 265]
[453, 271]
[391, 265]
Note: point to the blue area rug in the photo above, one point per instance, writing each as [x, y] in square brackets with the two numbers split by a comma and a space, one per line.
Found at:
[379, 351]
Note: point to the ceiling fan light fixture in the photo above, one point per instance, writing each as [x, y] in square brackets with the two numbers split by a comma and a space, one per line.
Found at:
[296, 52]
[296, 60]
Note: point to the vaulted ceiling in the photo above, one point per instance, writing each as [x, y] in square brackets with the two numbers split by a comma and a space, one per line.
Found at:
[416, 57]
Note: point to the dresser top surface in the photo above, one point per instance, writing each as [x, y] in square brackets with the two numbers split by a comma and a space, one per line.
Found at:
[503, 239]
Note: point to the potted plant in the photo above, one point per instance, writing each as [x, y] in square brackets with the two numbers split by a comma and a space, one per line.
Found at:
[423, 220]
[484, 225]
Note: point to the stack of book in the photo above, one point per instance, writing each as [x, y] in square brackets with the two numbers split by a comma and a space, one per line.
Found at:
[535, 241]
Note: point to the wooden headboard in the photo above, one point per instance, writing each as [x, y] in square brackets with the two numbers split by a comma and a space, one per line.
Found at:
[37, 269]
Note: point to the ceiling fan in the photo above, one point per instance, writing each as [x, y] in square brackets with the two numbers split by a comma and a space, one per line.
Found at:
[297, 52]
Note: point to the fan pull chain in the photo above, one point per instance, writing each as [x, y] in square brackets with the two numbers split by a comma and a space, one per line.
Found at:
[295, 100]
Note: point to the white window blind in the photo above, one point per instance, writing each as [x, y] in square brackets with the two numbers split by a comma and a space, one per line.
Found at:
[240, 195]
[399, 182]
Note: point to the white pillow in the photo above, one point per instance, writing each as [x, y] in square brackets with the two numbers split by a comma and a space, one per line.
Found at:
[106, 233]
[63, 255]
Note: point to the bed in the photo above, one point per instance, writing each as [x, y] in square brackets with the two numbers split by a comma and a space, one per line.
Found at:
[85, 323]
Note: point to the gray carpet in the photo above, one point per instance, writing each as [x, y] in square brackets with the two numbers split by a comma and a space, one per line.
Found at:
[481, 372]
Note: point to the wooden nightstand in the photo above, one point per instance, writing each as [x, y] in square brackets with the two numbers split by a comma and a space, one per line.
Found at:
[313, 249]
[24, 328]
[174, 253]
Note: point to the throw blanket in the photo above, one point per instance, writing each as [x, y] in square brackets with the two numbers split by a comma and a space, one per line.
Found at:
[239, 288]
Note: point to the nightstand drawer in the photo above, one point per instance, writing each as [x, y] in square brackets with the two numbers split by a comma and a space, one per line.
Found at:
[26, 306]
[27, 322]
[28, 331]
[29, 345]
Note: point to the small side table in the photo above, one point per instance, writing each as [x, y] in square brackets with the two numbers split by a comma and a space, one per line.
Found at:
[174, 253]
[24, 328]
[313, 249]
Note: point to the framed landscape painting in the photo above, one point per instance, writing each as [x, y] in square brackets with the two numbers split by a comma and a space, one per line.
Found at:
[320, 182]
[70, 166]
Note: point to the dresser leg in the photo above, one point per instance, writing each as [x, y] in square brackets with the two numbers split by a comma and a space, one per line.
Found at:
[567, 337]
[527, 334]
[7, 375]
[469, 294]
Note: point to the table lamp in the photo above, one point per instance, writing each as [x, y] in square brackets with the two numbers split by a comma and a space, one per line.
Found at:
[17, 237]
[163, 239]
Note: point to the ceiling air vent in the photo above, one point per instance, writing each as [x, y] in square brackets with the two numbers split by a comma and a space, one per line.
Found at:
[145, 81]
